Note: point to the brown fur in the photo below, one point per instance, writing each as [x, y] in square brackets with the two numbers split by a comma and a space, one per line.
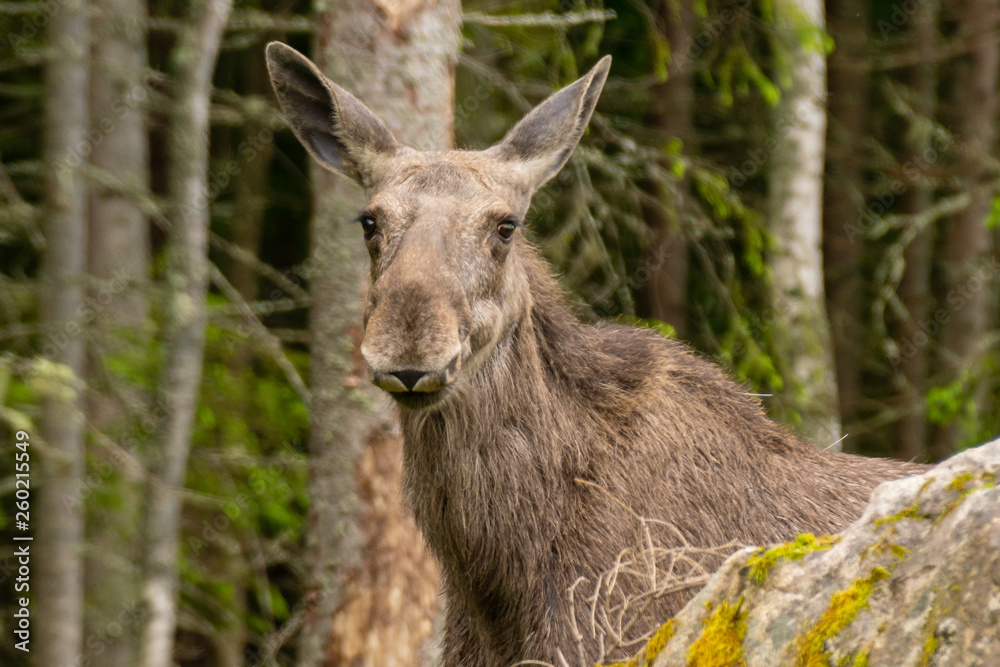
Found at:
[532, 443]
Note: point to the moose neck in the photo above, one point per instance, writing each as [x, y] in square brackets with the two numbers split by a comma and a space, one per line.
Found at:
[534, 411]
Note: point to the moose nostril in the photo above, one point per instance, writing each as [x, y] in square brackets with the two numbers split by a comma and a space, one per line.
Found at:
[409, 377]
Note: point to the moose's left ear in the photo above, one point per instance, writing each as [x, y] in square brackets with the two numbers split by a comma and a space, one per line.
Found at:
[542, 142]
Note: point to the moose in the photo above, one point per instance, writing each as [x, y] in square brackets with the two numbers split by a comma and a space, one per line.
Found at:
[535, 444]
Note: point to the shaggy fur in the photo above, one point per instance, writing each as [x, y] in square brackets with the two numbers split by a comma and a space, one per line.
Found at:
[533, 444]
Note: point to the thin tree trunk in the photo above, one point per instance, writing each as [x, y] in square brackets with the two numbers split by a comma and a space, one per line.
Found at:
[795, 206]
[247, 222]
[843, 198]
[118, 263]
[909, 435]
[399, 58]
[665, 295]
[193, 62]
[968, 276]
[58, 550]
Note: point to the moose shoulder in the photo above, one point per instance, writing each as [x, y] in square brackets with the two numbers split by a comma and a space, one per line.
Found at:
[533, 443]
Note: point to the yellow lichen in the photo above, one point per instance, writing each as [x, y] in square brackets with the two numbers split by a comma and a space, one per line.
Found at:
[883, 545]
[721, 641]
[912, 512]
[959, 481]
[930, 646]
[652, 649]
[859, 659]
[658, 641]
[959, 484]
[844, 607]
[761, 562]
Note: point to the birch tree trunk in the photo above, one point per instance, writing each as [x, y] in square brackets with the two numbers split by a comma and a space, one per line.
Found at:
[397, 57]
[58, 579]
[969, 276]
[118, 265]
[193, 61]
[843, 197]
[795, 208]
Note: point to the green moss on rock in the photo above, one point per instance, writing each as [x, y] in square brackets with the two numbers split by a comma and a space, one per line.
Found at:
[658, 641]
[721, 641]
[960, 484]
[844, 607]
[912, 512]
[761, 562]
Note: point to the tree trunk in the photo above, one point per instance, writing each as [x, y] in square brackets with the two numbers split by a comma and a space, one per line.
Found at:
[193, 61]
[399, 59]
[248, 222]
[843, 197]
[909, 434]
[968, 274]
[795, 207]
[58, 578]
[665, 295]
[118, 263]
[252, 187]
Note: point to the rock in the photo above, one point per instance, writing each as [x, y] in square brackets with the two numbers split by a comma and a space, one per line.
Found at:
[915, 581]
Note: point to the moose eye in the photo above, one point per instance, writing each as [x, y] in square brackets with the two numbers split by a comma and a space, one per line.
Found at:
[505, 229]
[368, 225]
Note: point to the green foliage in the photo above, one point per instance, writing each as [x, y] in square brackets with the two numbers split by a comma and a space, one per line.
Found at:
[248, 463]
[956, 403]
[664, 329]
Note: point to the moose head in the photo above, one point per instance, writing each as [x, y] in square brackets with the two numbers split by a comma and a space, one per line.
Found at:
[442, 227]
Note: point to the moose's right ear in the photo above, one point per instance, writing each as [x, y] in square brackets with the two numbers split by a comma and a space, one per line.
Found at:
[337, 129]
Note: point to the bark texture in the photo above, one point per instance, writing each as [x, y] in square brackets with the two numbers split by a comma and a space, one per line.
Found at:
[118, 266]
[193, 61]
[795, 203]
[843, 198]
[399, 58]
[58, 578]
[969, 276]
[665, 294]
[909, 437]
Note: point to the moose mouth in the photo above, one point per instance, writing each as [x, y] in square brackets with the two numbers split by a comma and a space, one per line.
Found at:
[417, 389]
[418, 400]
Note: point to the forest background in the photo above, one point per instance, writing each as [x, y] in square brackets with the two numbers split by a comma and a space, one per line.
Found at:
[806, 195]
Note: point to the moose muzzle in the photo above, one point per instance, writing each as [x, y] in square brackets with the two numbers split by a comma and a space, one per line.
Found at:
[414, 337]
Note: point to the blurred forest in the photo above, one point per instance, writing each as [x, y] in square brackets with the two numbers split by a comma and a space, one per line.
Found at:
[807, 197]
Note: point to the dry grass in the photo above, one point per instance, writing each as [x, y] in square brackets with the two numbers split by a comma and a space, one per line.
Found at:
[655, 571]
[614, 615]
